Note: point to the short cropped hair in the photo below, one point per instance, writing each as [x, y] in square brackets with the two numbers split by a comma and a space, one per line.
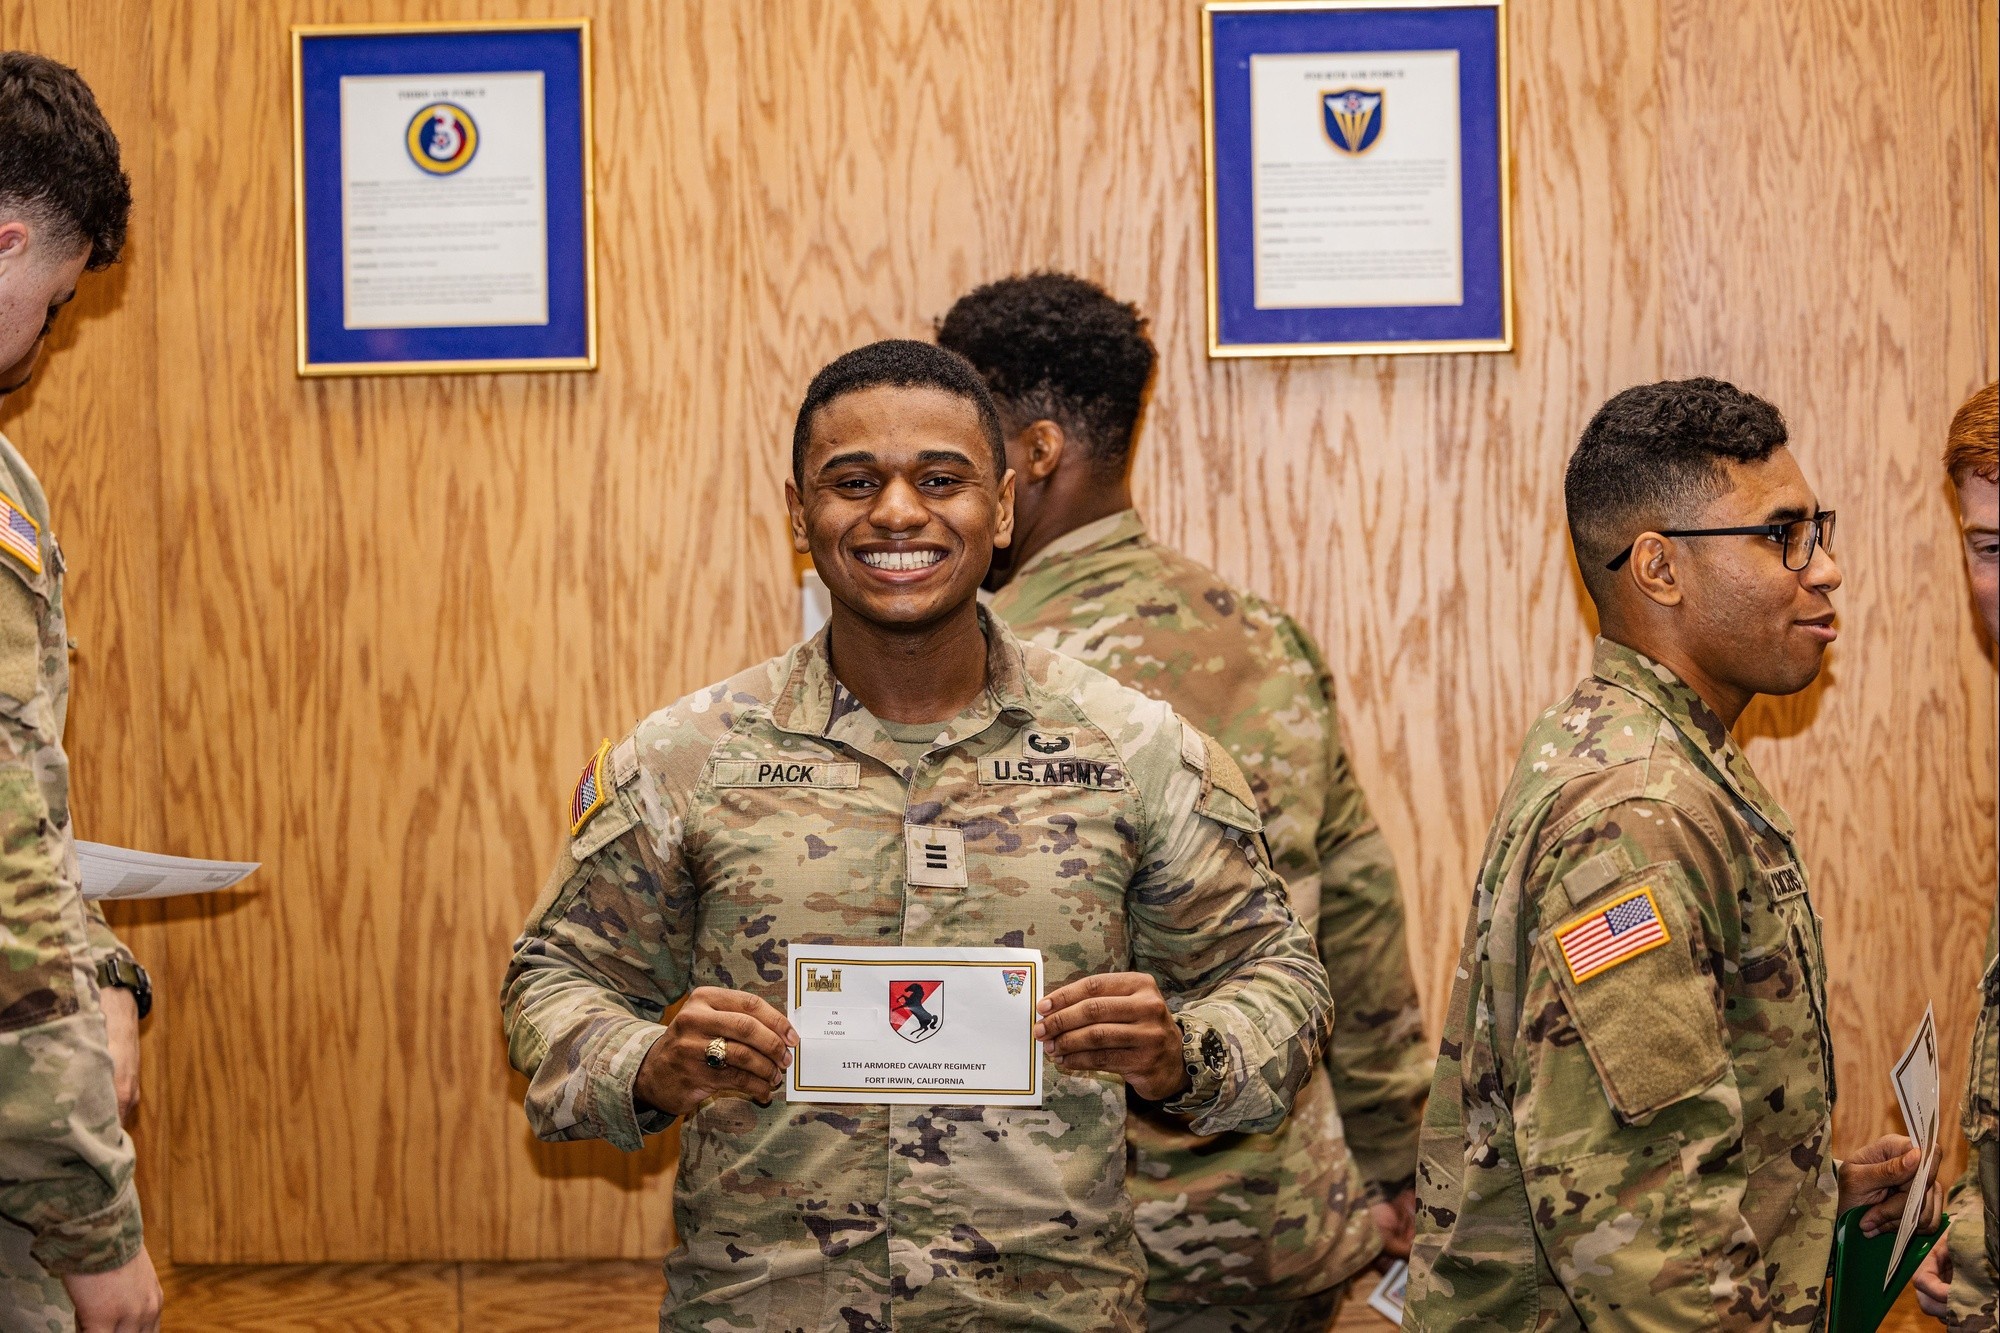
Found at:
[1653, 456]
[1972, 448]
[904, 363]
[59, 159]
[1056, 347]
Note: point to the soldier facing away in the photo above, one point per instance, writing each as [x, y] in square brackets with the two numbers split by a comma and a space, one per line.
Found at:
[1630, 1122]
[1244, 1233]
[1178, 968]
[1957, 1282]
[72, 1249]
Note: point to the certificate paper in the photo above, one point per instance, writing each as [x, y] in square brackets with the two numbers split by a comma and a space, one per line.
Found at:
[1356, 179]
[121, 872]
[913, 1026]
[444, 201]
[1916, 1080]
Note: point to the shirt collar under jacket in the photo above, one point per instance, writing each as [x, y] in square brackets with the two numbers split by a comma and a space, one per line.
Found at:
[1677, 701]
[1096, 535]
[814, 703]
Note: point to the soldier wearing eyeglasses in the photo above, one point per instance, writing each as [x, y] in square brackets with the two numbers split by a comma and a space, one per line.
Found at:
[1630, 1123]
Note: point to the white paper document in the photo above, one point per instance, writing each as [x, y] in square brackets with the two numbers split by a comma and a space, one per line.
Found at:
[1355, 177]
[444, 201]
[120, 872]
[1916, 1080]
[1387, 1298]
[914, 1027]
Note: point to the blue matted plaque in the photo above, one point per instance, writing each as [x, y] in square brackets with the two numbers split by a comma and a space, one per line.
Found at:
[443, 205]
[1358, 179]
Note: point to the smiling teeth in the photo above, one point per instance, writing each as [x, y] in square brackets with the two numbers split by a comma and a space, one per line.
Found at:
[901, 560]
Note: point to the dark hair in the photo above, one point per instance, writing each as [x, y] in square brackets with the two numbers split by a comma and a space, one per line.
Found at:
[903, 363]
[1056, 347]
[1652, 456]
[58, 157]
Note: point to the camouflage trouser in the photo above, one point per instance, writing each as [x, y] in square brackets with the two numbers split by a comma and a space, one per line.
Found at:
[30, 1300]
[1310, 1314]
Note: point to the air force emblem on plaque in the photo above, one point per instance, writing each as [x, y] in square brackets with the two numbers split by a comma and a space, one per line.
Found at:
[442, 138]
[916, 1009]
[1353, 118]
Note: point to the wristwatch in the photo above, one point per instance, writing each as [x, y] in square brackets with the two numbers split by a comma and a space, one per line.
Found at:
[1206, 1057]
[127, 974]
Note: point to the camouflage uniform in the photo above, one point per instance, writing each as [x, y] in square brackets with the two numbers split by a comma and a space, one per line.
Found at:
[67, 1204]
[1260, 1221]
[1647, 1147]
[1974, 1238]
[1122, 838]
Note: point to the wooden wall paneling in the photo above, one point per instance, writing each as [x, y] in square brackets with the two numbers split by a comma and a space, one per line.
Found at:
[1408, 510]
[665, 574]
[895, 154]
[1824, 262]
[1986, 119]
[87, 426]
[387, 555]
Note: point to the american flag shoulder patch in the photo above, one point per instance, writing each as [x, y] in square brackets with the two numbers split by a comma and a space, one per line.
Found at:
[1613, 934]
[20, 536]
[593, 790]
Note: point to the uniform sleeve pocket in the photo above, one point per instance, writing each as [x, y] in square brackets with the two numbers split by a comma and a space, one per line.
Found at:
[1616, 1228]
[1626, 966]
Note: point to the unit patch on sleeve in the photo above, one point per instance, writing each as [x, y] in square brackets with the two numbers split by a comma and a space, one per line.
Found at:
[1612, 935]
[593, 790]
[20, 536]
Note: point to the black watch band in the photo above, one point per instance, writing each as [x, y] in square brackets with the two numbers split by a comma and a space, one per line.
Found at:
[126, 974]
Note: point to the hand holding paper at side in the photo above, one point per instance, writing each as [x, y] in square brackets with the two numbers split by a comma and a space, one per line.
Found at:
[120, 872]
[914, 1026]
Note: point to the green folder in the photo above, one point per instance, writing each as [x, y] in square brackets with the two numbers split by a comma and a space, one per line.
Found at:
[1860, 1302]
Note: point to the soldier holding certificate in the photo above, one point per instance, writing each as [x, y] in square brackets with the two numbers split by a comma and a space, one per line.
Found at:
[912, 776]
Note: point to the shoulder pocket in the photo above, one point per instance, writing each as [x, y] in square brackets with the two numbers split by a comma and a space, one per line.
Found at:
[43, 923]
[22, 604]
[1225, 793]
[1625, 964]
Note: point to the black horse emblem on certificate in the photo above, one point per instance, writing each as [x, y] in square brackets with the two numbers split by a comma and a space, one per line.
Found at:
[916, 1009]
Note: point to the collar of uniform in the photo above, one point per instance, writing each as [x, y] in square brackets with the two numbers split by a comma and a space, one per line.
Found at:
[1692, 718]
[1096, 535]
[814, 703]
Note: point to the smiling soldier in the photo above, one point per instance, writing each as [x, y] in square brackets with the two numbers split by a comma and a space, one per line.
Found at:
[782, 806]
[1630, 1122]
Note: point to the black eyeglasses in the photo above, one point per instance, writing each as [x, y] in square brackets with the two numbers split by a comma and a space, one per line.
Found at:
[1801, 536]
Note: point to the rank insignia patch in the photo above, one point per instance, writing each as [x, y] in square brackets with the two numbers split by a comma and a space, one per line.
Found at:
[593, 789]
[20, 536]
[1612, 935]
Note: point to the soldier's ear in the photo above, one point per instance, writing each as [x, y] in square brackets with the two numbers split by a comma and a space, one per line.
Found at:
[1045, 446]
[795, 514]
[1653, 569]
[1003, 520]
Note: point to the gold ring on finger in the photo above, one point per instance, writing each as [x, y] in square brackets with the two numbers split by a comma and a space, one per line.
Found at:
[718, 1053]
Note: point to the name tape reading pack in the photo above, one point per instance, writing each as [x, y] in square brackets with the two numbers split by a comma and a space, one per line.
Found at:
[785, 773]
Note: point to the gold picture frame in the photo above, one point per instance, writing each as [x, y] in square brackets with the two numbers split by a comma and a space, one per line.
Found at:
[1221, 350]
[308, 369]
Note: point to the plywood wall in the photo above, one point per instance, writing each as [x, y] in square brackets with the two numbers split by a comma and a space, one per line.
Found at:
[365, 631]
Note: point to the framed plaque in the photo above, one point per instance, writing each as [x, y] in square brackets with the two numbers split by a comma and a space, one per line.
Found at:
[442, 197]
[1358, 177]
